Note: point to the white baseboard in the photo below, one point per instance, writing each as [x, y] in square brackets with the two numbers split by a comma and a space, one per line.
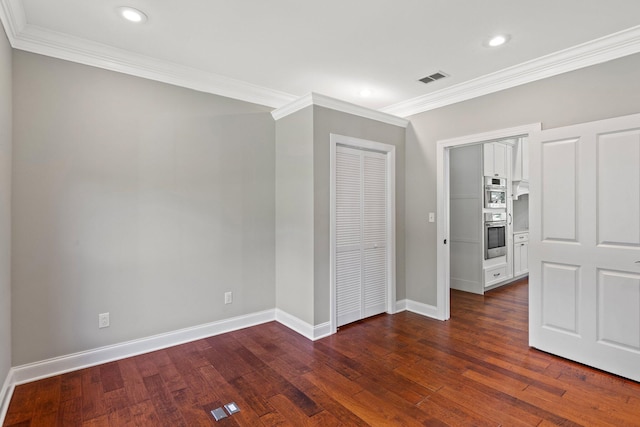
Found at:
[418, 308]
[72, 362]
[5, 395]
[303, 328]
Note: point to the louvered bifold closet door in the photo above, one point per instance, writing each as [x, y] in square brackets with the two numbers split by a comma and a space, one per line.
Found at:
[348, 235]
[360, 234]
[374, 233]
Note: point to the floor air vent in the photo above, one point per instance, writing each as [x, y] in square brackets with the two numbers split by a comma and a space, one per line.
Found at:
[433, 77]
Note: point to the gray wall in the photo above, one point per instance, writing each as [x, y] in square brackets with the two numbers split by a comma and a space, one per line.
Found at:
[294, 215]
[303, 205]
[5, 205]
[136, 198]
[325, 122]
[603, 91]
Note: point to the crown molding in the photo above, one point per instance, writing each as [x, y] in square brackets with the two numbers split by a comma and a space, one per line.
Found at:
[338, 105]
[613, 46]
[13, 18]
[39, 40]
[43, 41]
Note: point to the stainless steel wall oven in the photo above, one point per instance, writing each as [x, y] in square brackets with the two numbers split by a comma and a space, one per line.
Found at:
[495, 235]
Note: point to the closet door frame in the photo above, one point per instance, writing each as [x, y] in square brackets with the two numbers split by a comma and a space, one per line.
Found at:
[390, 153]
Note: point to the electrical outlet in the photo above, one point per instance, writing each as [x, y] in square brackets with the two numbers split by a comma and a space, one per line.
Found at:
[103, 320]
[228, 297]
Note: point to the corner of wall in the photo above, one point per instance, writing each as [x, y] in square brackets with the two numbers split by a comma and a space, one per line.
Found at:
[6, 142]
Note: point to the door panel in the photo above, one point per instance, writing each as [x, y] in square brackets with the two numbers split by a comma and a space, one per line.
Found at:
[619, 309]
[375, 281]
[559, 187]
[619, 189]
[584, 283]
[560, 296]
[375, 233]
[361, 234]
[348, 236]
[348, 287]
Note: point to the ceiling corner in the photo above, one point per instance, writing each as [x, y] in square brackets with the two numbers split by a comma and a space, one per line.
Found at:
[13, 18]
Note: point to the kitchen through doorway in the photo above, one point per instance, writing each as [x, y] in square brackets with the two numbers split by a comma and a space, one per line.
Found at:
[468, 227]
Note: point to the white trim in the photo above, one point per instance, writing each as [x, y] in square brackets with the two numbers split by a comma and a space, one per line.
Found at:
[13, 18]
[612, 46]
[418, 308]
[72, 362]
[32, 38]
[422, 309]
[59, 45]
[338, 105]
[442, 183]
[390, 151]
[298, 325]
[5, 395]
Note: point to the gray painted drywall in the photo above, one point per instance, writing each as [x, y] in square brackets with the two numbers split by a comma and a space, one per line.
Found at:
[603, 91]
[5, 204]
[294, 215]
[136, 198]
[325, 122]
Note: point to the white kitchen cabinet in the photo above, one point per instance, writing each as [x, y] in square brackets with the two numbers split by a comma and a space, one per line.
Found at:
[494, 275]
[495, 159]
[520, 254]
[521, 160]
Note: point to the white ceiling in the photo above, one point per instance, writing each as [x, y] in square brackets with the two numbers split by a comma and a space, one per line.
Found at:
[272, 52]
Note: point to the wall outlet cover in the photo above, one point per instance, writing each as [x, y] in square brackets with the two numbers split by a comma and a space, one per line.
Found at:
[103, 320]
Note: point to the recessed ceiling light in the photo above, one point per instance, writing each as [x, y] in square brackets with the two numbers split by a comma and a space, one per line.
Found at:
[498, 40]
[131, 14]
[365, 93]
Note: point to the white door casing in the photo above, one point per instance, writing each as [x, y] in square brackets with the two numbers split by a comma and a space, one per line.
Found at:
[584, 244]
[362, 229]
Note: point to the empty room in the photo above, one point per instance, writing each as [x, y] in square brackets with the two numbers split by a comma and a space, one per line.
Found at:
[319, 213]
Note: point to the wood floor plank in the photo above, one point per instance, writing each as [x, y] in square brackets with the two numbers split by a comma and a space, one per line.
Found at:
[474, 370]
[93, 404]
[70, 413]
[163, 402]
[133, 382]
[111, 377]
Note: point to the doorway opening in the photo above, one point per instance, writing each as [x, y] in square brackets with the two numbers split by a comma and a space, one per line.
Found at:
[443, 153]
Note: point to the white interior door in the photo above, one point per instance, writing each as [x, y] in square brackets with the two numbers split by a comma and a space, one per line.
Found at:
[361, 234]
[585, 244]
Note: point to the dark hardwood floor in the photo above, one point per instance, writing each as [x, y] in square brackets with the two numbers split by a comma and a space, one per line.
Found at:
[473, 370]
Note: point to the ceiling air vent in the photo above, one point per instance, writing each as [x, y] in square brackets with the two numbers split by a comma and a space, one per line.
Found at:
[433, 77]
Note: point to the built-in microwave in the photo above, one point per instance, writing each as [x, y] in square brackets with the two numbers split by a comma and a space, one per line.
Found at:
[495, 193]
[495, 235]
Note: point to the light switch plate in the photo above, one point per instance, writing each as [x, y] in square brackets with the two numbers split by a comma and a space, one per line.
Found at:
[218, 414]
[231, 408]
